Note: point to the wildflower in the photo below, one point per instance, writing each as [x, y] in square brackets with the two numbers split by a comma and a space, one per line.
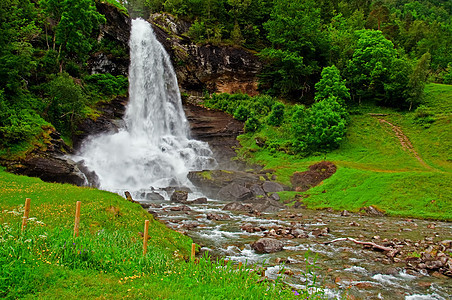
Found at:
[296, 293]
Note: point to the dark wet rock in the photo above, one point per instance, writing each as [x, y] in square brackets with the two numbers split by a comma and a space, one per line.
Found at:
[234, 192]
[212, 181]
[320, 232]
[272, 187]
[108, 121]
[150, 205]
[250, 228]
[190, 225]
[264, 205]
[180, 208]
[302, 181]
[128, 196]
[345, 213]
[267, 245]
[49, 167]
[219, 130]
[202, 200]
[218, 217]
[257, 190]
[179, 196]
[153, 196]
[275, 197]
[372, 211]
[238, 207]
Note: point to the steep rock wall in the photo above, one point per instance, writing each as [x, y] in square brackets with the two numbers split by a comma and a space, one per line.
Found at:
[206, 67]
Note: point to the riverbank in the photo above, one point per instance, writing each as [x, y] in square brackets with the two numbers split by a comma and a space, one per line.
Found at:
[106, 260]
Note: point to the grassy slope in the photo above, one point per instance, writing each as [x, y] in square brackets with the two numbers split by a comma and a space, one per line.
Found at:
[106, 260]
[374, 169]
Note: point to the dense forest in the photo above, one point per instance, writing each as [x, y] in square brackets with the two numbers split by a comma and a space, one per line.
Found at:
[321, 57]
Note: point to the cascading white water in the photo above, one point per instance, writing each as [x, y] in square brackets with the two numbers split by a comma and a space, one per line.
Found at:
[154, 149]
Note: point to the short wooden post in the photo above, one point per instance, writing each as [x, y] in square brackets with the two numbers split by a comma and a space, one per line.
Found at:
[193, 251]
[240, 264]
[77, 218]
[26, 213]
[145, 237]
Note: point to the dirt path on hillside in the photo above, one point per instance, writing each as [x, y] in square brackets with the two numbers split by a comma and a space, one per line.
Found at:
[405, 142]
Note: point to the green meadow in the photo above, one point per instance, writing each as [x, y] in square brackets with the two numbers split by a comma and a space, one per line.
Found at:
[374, 164]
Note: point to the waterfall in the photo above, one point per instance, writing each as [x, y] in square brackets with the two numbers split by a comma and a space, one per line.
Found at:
[153, 150]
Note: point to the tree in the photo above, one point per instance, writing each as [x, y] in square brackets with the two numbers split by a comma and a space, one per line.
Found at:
[370, 66]
[417, 80]
[325, 125]
[299, 48]
[76, 21]
[65, 103]
[331, 84]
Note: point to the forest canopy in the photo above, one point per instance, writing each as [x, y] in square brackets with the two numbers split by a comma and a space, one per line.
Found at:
[384, 51]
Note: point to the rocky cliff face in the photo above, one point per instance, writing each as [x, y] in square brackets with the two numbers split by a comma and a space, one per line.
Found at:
[218, 69]
[116, 32]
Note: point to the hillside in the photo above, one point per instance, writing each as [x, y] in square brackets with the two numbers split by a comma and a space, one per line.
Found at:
[398, 161]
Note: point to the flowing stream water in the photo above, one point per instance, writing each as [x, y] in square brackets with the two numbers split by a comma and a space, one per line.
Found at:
[154, 150]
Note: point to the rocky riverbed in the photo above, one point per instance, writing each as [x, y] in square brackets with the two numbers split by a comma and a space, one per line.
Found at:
[362, 255]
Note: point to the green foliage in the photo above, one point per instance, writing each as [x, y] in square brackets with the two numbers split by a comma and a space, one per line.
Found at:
[76, 21]
[298, 49]
[276, 116]
[65, 103]
[107, 84]
[331, 85]
[252, 124]
[325, 126]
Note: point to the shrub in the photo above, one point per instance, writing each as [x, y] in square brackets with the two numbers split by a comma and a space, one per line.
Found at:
[276, 116]
[252, 124]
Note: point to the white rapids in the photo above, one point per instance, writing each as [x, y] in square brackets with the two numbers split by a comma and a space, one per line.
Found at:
[154, 148]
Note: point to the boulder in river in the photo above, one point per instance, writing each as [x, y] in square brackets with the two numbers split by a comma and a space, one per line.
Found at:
[234, 192]
[179, 196]
[267, 245]
[237, 206]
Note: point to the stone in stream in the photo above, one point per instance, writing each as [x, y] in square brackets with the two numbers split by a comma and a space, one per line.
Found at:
[218, 217]
[179, 196]
[237, 206]
[234, 192]
[267, 245]
[272, 187]
[257, 190]
[202, 200]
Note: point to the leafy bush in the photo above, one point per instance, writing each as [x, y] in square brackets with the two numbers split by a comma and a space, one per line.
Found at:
[324, 126]
[276, 116]
[17, 124]
[252, 124]
[66, 102]
[242, 113]
[107, 84]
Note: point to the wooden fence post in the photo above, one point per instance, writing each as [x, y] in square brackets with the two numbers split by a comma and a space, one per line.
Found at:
[145, 237]
[77, 218]
[26, 213]
[193, 251]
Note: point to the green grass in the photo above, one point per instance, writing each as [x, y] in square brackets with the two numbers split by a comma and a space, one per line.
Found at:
[46, 261]
[373, 168]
